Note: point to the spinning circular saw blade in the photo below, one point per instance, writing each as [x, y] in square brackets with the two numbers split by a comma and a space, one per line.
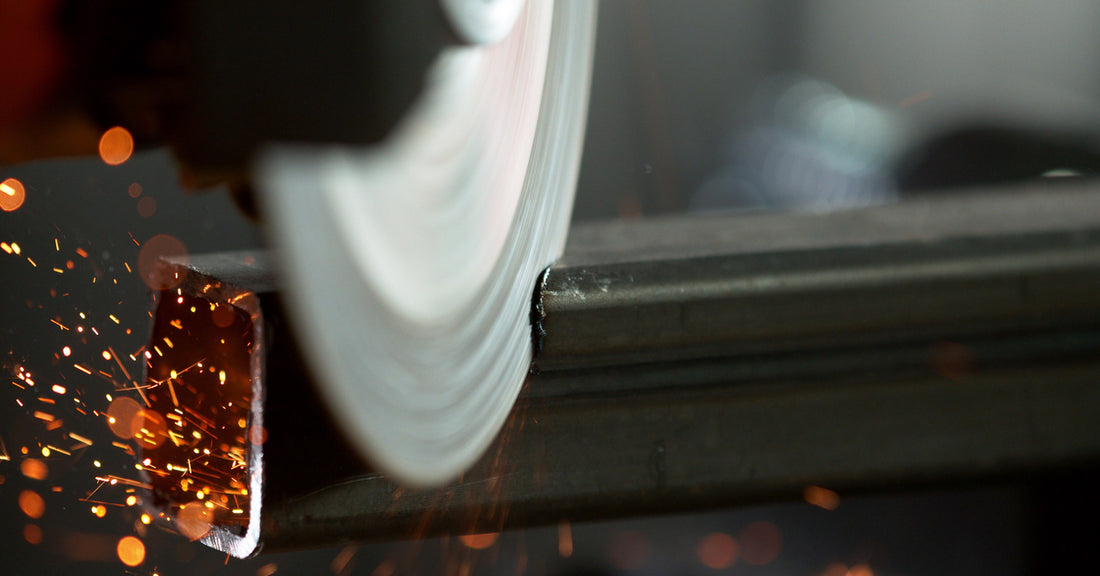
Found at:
[410, 265]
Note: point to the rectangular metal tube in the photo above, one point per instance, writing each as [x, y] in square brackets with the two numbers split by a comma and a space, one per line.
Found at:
[701, 362]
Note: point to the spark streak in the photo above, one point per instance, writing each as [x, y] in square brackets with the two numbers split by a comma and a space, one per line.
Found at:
[80, 438]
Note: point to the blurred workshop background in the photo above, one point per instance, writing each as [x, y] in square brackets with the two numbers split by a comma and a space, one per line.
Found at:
[696, 106]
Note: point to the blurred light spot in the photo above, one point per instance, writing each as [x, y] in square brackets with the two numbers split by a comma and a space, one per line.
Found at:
[223, 315]
[149, 429]
[343, 559]
[479, 541]
[860, 570]
[147, 206]
[120, 414]
[131, 500]
[32, 534]
[99, 511]
[194, 520]
[32, 504]
[146, 519]
[152, 268]
[951, 360]
[12, 195]
[916, 98]
[761, 543]
[386, 568]
[267, 569]
[87, 547]
[821, 497]
[34, 469]
[717, 551]
[628, 550]
[131, 551]
[134, 190]
[565, 539]
[257, 434]
[809, 148]
[116, 145]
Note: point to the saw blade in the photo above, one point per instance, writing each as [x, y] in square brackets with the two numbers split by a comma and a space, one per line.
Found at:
[410, 265]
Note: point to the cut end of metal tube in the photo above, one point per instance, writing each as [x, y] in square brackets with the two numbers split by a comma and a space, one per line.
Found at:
[201, 431]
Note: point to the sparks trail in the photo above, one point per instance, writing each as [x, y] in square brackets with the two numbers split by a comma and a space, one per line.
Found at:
[55, 440]
[200, 408]
[203, 410]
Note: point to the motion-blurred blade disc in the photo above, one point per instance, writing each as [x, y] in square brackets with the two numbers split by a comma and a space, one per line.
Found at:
[410, 266]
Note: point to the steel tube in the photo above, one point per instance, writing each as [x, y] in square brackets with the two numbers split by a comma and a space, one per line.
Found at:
[700, 362]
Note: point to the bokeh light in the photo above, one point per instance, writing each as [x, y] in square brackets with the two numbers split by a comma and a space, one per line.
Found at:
[194, 520]
[257, 434]
[565, 539]
[34, 469]
[32, 504]
[951, 360]
[149, 429]
[717, 550]
[479, 541]
[87, 547]
[344, 560]
[821, 497]
[12, 195]
[32, 534]
[147, 206]
[152, 267]
[120, 416]
[116, 146]
[761, 543]
[860, 570]
[628, 550]
[131, 551]
[223, 315]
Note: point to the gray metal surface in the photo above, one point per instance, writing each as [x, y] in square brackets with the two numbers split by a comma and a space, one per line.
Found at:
[645, 453]
[704, 362]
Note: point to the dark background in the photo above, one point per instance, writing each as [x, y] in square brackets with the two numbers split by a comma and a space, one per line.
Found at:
[685, 96]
